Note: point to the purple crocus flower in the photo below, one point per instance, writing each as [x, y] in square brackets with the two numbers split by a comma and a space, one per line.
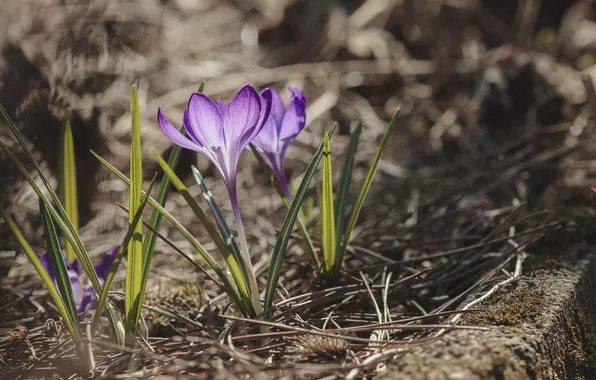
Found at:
[280, 129]
[221, 132]
[85, 297]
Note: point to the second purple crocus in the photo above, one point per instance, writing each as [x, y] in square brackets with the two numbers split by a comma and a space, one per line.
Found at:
[85, 297]
[282, 126]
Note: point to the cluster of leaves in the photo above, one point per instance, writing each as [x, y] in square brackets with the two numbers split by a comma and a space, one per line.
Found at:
[60, 218]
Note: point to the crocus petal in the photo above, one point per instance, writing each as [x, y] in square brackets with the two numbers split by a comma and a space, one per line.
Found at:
[278, 109]
[204, 122]
[295, 117]
[267, 140]
[242, 117]
[103, 267]
[266, 98]
[88, 302]
[173, 133]
[88, 299]
[223, 107]
[73, 275]
[77, 290]
[46, 263]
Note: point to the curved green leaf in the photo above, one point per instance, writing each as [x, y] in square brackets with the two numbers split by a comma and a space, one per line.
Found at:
[232, 291]
[132, 229]
[57, 259]
[71, 324]
[61, 219]
[286, 230]
[308, 244]
[235, 263]
[366, 187]
[67, 180]
[342, 194]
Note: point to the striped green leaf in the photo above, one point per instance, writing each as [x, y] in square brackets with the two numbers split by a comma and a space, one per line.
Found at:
[307, 243]
[342, 194]
[132, 228]
[67, 183]
[327, 210]
[72, 325]
[232, 291]
[286, 230]
[135, 262]
[57, 260]
[59, 217]
[366, 187]
[235, 263]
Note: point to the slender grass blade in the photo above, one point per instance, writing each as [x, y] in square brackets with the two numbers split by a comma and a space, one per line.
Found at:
[231, 290]
[327, 210]
[135, 262]
[67, 180]
[72, 325]
[57, 260]
[284, 236]
[132, 228]
[235, 263]
[342, 194]
[308, 245]
[366, 187]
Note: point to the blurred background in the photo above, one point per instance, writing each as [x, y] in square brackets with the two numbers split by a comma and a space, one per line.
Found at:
[493, 108]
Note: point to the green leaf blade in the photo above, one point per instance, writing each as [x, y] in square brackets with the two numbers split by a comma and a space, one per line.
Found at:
[327, 210]
[205, 255]
[67, 179]
[342, 194]
[284, 236]
[72, 325]
[57, 260]
[132, 228]
[134, 269]
[366, 186]
[307, 243]
[233, 260]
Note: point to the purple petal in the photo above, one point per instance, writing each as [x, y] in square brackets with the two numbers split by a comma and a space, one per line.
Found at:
[267, 141]
[74, 266]
[46, 263]
[204, 122]
[278, 109]
[295, 117]
[173, 133]
[242, 119]
[77, 290]
[265, 116]
[223, 107]
[88, 301]
[103, 267]
[73, 275]
[297, 93]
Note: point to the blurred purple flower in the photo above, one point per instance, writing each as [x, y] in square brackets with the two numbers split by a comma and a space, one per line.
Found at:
[282, 126]
[221, 132]
[85, 298]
